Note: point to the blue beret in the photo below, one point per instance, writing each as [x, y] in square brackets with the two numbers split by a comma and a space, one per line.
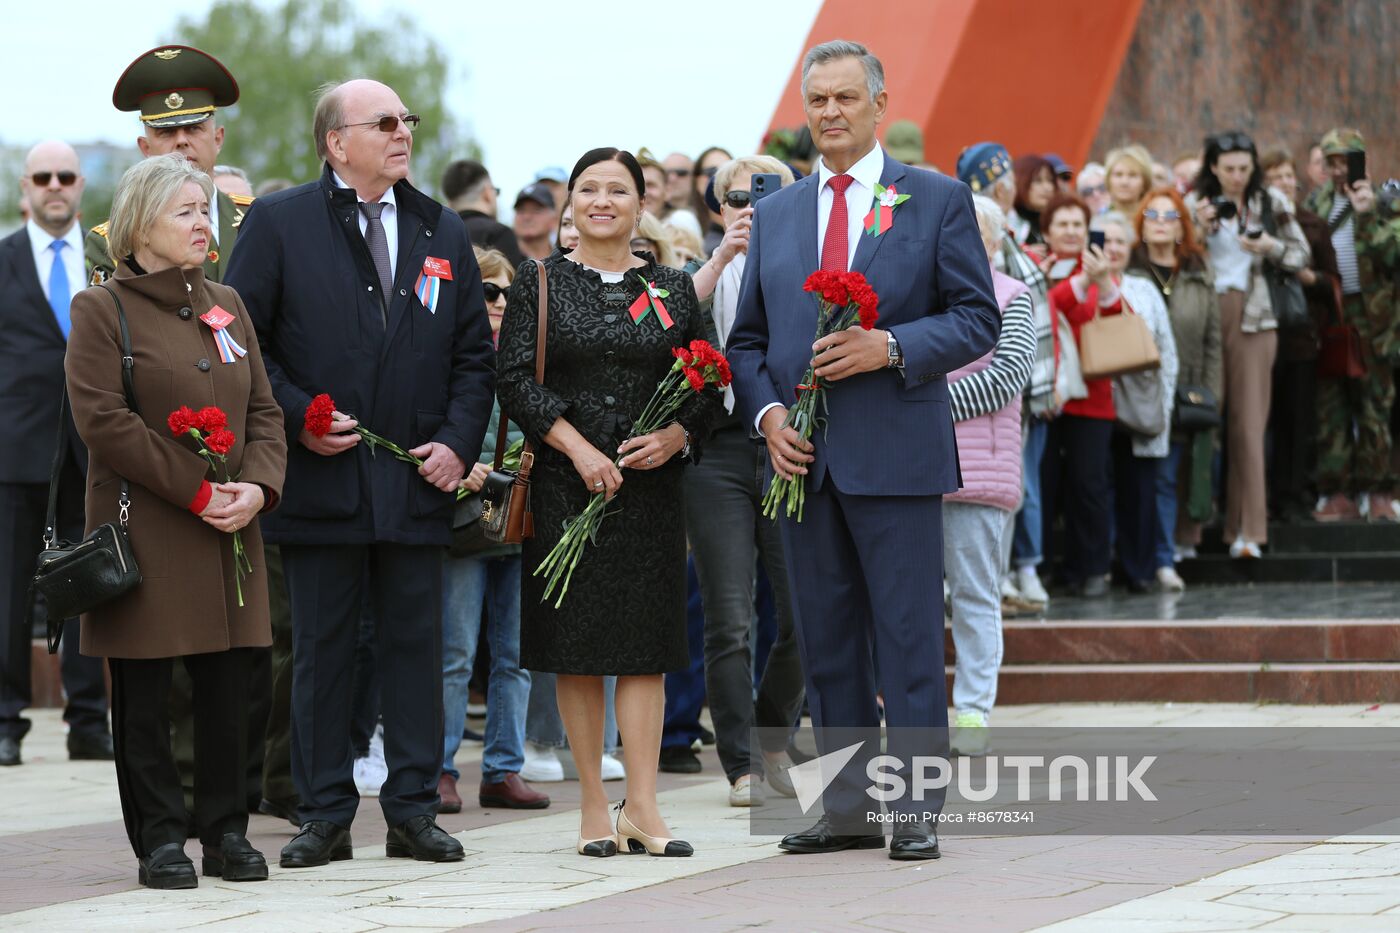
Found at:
[981, 165]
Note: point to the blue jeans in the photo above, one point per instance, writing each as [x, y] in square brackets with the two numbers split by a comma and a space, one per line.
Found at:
[1027, 547]
[1167, 469]
[971, 549]
[543, 725]
[469, 585]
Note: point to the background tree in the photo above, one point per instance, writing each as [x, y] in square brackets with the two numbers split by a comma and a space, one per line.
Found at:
[281, 54]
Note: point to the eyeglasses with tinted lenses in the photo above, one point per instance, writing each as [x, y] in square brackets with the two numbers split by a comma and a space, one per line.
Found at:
[738, 199]
[1092, 190]
[678, 172]
[42, 179]
[1234, 142]
[391, 123]
[1161, 215]
[494, 291]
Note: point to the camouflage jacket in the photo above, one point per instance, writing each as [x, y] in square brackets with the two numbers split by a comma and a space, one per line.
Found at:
[1377, 240]
[231, 210]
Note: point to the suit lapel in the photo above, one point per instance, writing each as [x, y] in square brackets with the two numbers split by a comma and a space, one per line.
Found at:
[807, 207]
[22, 257]
[869, 245]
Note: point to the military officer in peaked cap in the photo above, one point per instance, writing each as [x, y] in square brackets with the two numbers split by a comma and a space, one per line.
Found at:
[177, 89]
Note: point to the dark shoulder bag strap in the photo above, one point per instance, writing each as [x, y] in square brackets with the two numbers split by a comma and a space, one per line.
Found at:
[527, 454]
[128, 388]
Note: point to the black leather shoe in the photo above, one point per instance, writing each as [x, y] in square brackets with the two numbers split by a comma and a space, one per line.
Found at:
[679, 759]
[233, 859]
[820, 838]
[320, 842]
[90, 746]
[282, 809]
[9, 751]
[423, 839]
[167, 868]
[914, 842]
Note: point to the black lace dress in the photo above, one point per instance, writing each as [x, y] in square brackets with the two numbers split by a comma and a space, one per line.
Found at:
[625, 608]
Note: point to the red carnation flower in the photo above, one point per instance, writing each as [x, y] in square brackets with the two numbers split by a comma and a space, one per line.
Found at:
[697, 381]
[220, 441]
[210, 419]
[682, 354]
[725, 376]
[318, 415]
[181, 420]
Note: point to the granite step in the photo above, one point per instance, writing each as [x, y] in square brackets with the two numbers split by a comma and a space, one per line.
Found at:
[1318, 538]
[1276, 567]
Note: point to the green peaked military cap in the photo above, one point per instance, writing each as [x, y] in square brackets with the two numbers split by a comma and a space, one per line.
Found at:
[174, 85]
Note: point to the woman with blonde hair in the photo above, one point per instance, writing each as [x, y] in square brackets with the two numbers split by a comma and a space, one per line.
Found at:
[1129, 178]
[653, 237]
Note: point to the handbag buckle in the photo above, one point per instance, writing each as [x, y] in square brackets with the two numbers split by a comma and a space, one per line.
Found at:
[48, 537]
[486, 510]
[527, 460]
[125, 503]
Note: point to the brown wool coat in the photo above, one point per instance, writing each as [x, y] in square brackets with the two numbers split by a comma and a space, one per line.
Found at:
[186, 602]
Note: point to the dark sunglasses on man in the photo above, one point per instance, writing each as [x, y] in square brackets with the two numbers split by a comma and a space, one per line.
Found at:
[494, 291]
[390, 123]
[738, 199]
[42, 179]
[678, 172]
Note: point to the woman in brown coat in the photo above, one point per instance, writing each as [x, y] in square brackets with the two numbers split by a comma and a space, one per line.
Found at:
[180, 517]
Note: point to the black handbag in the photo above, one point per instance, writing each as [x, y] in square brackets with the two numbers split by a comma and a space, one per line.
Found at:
[468, 533]
[1286, 296]
[1195, 409]
[76, 578]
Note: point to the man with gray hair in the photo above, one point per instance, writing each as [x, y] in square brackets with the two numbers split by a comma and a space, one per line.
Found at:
[365, 289]
[866, 556]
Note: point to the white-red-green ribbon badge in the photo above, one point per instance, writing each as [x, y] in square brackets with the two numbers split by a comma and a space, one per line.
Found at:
[218, 320]
[881, 216]
[429, 284]
[648, 301]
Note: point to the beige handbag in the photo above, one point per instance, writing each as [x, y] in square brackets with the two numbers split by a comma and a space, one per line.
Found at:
[1117, 345]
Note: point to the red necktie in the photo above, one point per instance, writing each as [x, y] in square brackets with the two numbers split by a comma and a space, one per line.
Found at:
[837, 240]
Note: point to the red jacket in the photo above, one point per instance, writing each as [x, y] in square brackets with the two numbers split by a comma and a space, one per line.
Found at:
[1099, 404]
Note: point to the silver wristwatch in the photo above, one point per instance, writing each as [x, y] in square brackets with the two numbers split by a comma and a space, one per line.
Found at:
[896, 354]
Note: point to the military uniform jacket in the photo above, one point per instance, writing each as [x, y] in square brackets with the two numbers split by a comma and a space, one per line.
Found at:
[231, 210]
[409, 372]
[1377, 241]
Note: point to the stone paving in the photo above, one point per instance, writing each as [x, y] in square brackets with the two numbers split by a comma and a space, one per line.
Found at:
[65, 864]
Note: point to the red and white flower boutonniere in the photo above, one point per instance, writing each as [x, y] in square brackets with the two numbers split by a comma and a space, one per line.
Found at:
[881, 216]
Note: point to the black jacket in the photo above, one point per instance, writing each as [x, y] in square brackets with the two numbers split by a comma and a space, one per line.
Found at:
[31, 369]
[489, 233]
[306, 277]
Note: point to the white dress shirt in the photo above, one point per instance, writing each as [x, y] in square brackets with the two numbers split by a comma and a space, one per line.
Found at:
[388, 217]
[39, 242]
[214, 216]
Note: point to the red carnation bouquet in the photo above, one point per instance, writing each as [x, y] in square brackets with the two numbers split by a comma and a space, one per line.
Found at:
[696, 366]
[844, 299]
[209, 428]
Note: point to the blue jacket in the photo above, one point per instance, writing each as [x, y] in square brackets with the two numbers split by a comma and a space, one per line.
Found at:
[889, 434]
[310, 287]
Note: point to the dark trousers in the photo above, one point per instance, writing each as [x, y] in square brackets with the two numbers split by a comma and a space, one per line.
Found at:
[1075, 475]
[277, 747]
[1293, 420]
[1135, 510]
[364, 709]
[152, 803]
[866, 573]
[728, 534]
[22, 509]
[328, 586]
[685, 690]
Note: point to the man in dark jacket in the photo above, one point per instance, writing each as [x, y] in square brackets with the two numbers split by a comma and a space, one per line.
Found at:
[469, 191]
[364, 288]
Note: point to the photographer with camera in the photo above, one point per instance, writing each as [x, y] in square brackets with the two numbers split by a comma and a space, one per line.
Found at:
[1244, 226]
[1358, 462]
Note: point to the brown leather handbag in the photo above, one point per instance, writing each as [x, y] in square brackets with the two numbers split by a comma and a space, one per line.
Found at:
[1339, 356]
[505, 496]
[1117, 345]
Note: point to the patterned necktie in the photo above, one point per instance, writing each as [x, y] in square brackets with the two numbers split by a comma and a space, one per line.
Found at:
[836, 243]
[60, 295]
[378, 245]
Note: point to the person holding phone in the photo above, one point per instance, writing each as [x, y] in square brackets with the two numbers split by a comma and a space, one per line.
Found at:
[728, 531]
[1357, 463]
[1077, 450]
[1244, 225]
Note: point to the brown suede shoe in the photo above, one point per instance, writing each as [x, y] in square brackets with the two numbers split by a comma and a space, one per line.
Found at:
[1336, 508]
[512, 794]
[451, 801]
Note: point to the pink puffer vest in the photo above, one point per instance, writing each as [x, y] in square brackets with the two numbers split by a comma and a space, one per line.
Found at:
[989, 447]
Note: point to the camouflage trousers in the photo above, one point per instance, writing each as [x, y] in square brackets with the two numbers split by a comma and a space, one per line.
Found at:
[1353, 415]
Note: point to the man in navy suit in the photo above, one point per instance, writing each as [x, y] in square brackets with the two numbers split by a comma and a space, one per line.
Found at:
[362, 287]
[41, 269]
[866, 561]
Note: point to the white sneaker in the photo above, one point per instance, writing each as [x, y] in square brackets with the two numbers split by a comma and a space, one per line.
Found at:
[612, 769]
[1028, 582]
[372, 771]
[1169, 580]
[746, 792]
[541, 764]
[970, 733]
[1245, 549]
[1184, 553]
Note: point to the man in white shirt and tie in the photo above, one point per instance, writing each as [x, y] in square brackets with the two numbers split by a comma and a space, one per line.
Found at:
[41, 269]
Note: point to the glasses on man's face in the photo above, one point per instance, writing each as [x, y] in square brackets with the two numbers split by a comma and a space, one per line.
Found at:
[738, 199]
[1168, 216]
[678, 172]
[42, 179]
[1234, 142]
[390, 123]
[494, 291]
[1093, 190]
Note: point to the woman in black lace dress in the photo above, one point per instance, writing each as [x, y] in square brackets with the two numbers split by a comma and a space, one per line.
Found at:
[624, 613]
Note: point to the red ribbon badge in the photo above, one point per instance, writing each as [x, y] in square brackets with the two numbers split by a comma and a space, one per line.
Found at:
[648, 301]
[437, 268]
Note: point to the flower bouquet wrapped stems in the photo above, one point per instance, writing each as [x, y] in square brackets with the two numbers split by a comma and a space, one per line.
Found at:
[696, 367]
[844, 299]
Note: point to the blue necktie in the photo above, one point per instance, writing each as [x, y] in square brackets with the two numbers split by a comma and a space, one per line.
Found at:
[60, 297]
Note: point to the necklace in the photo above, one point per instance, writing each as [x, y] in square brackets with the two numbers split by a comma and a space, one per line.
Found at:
[1164, 285]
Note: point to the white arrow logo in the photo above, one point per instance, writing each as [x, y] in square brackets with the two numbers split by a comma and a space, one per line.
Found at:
[811, 778]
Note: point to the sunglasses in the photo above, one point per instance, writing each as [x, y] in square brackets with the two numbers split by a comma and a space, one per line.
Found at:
[678, 172]
[42, 179]
[738, 199]
[494, 291]
[1093, 190]
[1234, 142]
[390, 123]
[1161, 215]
